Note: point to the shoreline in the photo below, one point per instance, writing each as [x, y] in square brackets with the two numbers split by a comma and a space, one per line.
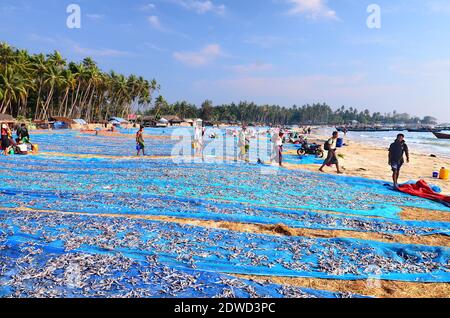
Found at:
[370, 161]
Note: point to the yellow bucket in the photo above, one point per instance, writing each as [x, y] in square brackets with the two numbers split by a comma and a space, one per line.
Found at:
[444, 174]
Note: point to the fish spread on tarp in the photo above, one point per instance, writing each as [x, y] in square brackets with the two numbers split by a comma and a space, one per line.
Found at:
[97, 175]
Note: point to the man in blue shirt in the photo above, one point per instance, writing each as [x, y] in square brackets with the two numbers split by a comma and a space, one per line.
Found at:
[397, 152]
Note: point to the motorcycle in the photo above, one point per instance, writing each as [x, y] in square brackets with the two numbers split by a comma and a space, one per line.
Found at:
[311, 149]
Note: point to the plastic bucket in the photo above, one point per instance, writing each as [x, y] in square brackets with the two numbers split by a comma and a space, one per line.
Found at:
[444, 174]
[35, 148]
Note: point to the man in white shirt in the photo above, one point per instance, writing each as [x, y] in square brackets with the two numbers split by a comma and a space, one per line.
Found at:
[198, 138]
[277, 152]
[243, 144]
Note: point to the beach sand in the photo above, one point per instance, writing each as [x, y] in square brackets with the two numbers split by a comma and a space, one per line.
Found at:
[371, 162]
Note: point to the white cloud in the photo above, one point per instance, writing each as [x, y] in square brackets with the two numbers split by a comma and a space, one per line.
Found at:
[104, 52]
[201, 7]
[430, 69]
[147, 7]
[9, 9]
[154, 47]
[314, 9]
[43, 39]
[154, 22]
[270, 41]
[345, 89]
[439, 7]
[202, 57]
[252, 68]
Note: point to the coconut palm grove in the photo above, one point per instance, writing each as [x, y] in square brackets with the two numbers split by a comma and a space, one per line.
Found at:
[38, 86]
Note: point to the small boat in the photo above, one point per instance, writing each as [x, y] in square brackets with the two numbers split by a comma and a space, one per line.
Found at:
[433, 130]
[364, 129]
[441, 135]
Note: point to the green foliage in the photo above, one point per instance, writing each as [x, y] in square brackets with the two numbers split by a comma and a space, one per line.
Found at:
[276, 115]
[41, 86]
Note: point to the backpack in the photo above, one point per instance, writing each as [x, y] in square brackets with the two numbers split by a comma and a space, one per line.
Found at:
[327, 146]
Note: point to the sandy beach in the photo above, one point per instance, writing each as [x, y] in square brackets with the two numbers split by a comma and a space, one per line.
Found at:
[371, 162]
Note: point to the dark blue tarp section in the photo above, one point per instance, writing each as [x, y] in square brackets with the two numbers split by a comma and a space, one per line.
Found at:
[222, 251]
[70, 256]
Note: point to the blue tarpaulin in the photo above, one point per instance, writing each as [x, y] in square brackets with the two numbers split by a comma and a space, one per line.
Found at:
[68, 205]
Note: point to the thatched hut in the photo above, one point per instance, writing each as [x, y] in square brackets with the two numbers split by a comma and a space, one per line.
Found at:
[7, 119]
[172, 120]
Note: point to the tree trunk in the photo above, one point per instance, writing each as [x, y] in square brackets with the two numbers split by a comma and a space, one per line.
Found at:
[63, 102]
[38, 100]
[47, 103]
[75, 101]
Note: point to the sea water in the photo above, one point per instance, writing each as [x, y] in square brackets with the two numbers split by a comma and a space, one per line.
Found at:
[419, 142]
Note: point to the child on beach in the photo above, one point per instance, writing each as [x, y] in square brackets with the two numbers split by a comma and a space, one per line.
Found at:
[5, 133]
[140, 143]
[397, 152]
[332, 159]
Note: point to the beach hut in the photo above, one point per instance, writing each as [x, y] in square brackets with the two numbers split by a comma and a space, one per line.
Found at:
[134, 118]
[42, 124]
[162, 123]
[80, 122]
[188, 122]
[117, 121]
[149, 121]
[192, 122]
[172, 120]
[7, 119]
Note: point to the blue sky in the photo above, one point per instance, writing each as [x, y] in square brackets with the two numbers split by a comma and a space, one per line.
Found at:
[268, 51]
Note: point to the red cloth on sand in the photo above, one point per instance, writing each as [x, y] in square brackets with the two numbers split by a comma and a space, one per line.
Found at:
[423, 190]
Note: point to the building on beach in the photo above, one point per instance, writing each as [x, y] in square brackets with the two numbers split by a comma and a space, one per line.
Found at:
[7, 119]
[172, 120]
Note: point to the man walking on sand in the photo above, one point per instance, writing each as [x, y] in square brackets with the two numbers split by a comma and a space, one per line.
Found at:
[140, 143]
[332, 159]
[397, 152]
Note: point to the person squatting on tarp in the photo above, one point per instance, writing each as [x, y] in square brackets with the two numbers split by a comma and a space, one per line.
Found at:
[23, 135]
[331, 159]
[397, 152]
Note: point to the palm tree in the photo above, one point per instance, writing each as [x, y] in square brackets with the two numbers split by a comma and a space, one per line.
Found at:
[53, 78]
[13, 89]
